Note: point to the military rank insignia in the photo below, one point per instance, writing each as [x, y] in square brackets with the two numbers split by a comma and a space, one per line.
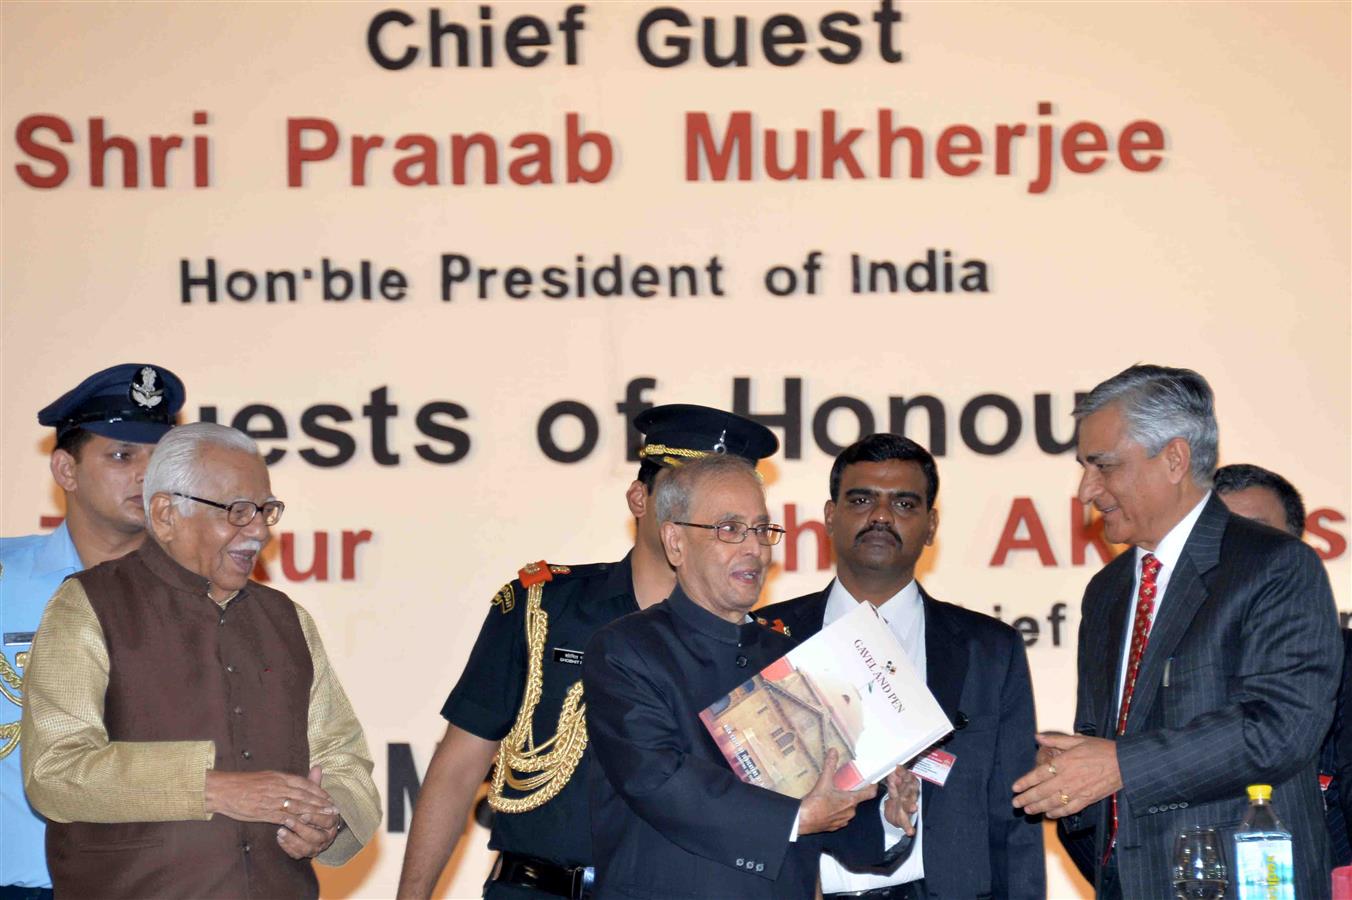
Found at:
[505, 598]
[540, 572]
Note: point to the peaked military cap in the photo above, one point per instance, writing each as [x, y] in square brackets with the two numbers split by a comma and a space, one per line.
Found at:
[133, 402]
[679, 432]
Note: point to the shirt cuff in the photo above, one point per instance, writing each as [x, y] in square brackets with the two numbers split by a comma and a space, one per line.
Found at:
[793, 835]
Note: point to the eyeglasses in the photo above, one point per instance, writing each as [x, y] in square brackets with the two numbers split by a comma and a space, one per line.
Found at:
[735, 532]
[242, 512]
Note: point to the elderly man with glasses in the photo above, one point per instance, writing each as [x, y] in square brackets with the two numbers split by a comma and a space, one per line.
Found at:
[182, 729]
[669, 816]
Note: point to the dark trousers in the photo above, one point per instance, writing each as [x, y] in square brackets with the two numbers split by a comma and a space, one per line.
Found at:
[10, 892]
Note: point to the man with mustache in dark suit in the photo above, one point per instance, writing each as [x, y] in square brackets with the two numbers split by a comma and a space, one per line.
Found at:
[969, 841]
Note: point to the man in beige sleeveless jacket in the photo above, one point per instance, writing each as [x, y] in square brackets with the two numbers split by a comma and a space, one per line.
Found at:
[183, 731]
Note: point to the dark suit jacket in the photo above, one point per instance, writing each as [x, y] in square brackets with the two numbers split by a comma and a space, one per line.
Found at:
[1236, 688]
[1336, 760]
[669, 817]
[975, 843]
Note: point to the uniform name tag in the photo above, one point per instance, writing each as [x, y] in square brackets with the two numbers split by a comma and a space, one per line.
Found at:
[18, 637]
[564, 655]
[934, 766]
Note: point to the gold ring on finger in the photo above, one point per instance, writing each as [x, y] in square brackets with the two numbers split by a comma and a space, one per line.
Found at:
[1051, 767]
[1065, 799]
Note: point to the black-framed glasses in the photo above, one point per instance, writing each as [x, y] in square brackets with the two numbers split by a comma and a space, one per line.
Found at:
[735, 532]
[242, 512]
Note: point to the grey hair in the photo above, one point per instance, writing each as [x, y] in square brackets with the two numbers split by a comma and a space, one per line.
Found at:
[674, 491]
[1159, 404]
[173, 466]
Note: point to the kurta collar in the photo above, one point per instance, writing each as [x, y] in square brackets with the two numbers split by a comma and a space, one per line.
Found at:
[703, 621]
[170, 572]
[57, 553]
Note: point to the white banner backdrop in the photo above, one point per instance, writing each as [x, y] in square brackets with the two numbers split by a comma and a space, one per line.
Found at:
[1038, 195]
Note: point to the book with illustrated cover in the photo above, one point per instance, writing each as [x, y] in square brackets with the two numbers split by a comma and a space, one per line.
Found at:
[851, 688]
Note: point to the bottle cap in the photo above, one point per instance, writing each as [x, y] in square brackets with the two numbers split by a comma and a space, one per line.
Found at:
[1260, 792]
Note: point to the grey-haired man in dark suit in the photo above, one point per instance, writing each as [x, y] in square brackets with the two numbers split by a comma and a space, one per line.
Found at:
[1208, 655]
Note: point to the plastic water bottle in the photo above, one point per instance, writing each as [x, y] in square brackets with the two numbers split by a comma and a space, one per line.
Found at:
[1263, 862]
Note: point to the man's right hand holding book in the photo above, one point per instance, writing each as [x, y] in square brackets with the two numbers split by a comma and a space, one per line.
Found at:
[826, 808]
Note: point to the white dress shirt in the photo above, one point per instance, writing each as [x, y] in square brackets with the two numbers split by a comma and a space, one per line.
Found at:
[1168, 552]
[905, 615]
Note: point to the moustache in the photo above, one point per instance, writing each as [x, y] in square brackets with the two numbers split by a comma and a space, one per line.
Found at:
[878, 526]
[249, 545]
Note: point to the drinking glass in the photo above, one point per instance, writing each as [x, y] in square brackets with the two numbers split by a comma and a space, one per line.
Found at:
[1199, 865]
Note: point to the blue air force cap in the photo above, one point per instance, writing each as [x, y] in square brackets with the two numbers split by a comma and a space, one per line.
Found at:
[133, 402]
[680, 432]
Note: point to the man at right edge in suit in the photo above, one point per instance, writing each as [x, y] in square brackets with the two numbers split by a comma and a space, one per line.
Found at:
[969, 841]
[1208, 654]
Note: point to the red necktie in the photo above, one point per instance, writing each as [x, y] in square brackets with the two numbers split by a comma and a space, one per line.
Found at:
[1140, 636]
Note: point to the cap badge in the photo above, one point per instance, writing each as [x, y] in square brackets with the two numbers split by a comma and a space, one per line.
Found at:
[721, 447]
[143, 390]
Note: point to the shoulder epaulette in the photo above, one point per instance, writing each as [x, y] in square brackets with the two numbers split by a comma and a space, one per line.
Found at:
[539, 572]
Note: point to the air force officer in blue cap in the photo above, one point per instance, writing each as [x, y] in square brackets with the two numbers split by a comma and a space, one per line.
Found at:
[106, 427]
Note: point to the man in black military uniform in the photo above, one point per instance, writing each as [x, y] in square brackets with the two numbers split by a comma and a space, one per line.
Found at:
[518, 705]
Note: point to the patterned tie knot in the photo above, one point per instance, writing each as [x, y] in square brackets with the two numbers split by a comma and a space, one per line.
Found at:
[1150, 568]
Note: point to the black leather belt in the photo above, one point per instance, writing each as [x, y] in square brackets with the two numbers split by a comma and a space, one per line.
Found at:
[542, 875]
[911, 890]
